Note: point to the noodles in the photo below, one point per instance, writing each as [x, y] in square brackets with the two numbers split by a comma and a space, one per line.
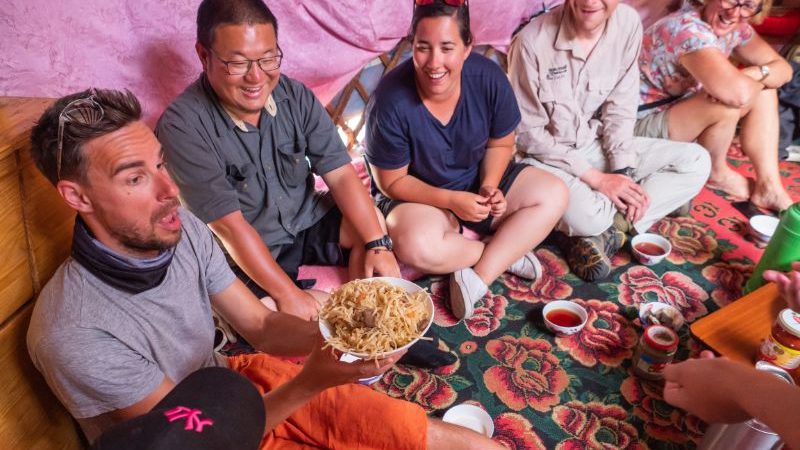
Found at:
[374, 317]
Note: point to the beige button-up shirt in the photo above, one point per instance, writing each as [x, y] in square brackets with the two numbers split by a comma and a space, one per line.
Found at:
[569, 98]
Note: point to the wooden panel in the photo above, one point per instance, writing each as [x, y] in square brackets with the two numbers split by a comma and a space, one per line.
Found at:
[737, 329]
[49, 221]
[16, 286]
[17, 116]
[30, 416]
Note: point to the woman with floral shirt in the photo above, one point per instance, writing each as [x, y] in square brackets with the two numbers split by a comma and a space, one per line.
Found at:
[691, 91]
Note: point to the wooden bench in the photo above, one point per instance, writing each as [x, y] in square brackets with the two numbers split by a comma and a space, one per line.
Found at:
[35, 233]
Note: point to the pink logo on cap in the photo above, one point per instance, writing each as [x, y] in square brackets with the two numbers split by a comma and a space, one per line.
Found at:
[192, 416]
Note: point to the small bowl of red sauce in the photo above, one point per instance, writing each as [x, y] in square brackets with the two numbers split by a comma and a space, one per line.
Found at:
[650, 248]
[564, 317]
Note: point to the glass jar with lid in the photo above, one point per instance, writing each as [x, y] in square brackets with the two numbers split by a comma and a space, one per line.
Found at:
[782, 346]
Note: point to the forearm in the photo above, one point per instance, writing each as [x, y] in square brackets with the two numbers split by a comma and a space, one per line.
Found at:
[409, 188]
[779, 74]
[283, 401]
[355, 204]
[277, 326]
[774, 403]
[494, 164]
[250, 253]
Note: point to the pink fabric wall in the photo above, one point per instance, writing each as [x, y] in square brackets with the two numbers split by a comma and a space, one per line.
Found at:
[50, 49]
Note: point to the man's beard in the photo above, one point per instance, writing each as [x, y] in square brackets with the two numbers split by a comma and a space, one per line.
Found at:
[134, 240]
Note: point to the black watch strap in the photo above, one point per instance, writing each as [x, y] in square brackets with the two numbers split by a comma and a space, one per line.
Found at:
[627, 171]
[384, 241]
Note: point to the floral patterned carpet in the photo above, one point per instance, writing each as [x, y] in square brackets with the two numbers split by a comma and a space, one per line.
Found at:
[578, 392]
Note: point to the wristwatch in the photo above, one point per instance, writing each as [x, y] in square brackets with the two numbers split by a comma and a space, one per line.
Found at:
[384, 241]
[764, 71]
[627, 171]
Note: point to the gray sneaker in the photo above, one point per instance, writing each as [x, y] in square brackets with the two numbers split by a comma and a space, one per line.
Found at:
[466, 288]
[527, 267]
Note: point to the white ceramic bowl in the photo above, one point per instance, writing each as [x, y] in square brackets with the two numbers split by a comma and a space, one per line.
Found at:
[663, 314]
[762, 227]
[564, 305]
[409, 287]
[472, 417]
[650, 239]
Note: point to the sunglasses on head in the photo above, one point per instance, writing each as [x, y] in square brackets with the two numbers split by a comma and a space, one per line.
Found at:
[446, 2]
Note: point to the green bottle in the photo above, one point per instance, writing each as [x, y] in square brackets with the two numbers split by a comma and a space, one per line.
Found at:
[782, 250]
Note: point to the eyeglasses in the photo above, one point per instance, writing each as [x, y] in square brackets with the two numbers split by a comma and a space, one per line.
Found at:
[243, 66]
[447, 2]
[746, 9]
[83, 111]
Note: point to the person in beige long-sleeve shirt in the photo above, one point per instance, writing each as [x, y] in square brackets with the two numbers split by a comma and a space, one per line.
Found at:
[575, 74]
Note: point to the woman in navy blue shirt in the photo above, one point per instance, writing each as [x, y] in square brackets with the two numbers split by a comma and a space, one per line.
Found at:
[440, 141]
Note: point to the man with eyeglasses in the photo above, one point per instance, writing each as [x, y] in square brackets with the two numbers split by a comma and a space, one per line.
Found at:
[574, 72]
[691, 91]
[128, 316]
[242, 143]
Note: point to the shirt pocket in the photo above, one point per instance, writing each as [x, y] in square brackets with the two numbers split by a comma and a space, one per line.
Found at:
[599, 89]
[241, 176]
[293, 167]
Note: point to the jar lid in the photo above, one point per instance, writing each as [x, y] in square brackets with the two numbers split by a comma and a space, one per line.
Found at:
[660, 337]
[790, 321]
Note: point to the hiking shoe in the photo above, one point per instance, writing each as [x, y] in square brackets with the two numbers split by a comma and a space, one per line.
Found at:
[589, 257]
[527, 267]
[622, 224]
[466, 288]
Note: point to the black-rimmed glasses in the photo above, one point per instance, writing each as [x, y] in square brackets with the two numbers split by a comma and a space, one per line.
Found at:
[746, 9]
[84, 111]
[243, 66]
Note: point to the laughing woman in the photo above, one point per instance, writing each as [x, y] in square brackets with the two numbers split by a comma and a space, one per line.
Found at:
[690, 91]
[440, 137]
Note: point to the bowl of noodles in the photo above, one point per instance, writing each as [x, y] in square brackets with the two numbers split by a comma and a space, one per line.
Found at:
[376, 317]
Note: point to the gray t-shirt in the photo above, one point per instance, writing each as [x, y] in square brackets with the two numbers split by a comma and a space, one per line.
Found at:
[265, 172]
[101, 349]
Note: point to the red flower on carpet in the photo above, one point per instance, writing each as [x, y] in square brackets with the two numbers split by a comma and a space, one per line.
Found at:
[487, 316]
[662, 421]
[516, 432]
[429, 390]
[728, 279]
[528, 374]
[607, 338]
[442, 316]
[549, 286]
[640, 284]
[468, 347]
[692, 241]
[597, 426]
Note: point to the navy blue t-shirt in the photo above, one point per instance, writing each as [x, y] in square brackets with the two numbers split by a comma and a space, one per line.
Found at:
[401, 130]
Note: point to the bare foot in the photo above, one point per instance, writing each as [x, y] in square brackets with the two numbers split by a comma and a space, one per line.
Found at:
[732, 183]
[771, 197]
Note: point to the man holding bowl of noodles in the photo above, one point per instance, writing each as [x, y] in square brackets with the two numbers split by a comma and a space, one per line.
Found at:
[128, 316]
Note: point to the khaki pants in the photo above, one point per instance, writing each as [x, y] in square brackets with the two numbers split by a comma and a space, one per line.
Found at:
[671, 172]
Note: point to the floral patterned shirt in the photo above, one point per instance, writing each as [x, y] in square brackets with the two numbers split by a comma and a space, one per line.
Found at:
[668, 39]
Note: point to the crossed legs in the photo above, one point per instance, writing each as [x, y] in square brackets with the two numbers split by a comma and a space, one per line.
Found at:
[428, 238]
[713, 125]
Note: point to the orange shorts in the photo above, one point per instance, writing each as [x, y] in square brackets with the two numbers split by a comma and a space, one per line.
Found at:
[347, 417]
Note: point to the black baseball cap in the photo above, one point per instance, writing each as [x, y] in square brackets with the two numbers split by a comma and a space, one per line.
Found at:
[213, 408]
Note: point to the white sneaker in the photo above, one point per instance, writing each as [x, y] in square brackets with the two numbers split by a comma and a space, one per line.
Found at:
[527, 267]
[466, 288]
